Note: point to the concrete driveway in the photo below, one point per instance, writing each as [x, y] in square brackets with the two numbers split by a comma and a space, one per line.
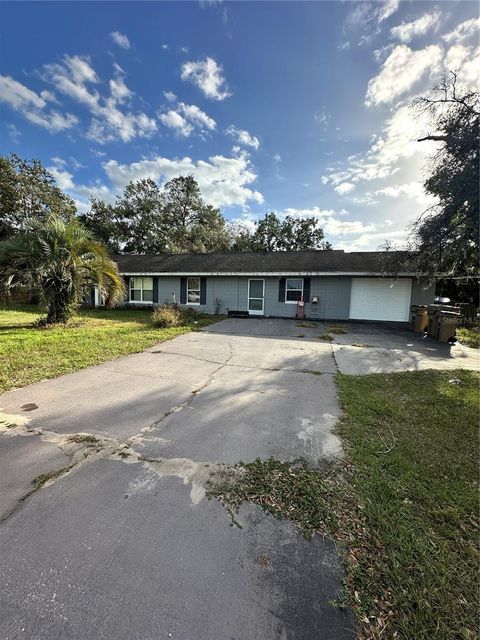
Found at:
[123, 544]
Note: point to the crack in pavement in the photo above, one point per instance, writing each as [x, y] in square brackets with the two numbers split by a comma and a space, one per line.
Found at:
[83, 448]
[176, 408]
[242, 366]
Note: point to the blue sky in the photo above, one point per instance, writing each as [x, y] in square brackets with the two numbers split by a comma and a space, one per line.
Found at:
[296, 107]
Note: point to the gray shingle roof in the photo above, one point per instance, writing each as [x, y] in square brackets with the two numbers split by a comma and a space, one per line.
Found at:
[287, 262]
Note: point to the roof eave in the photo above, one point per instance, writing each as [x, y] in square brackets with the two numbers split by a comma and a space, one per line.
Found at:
[264, 274]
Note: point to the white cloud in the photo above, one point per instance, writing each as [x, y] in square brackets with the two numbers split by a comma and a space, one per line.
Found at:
[387, 9]
[413, 190]
[463, 31]
[170, 96]
[243, 137]
[197, 116]
[345, 227]
[344, 187]
[165, 47]
[207, 75]
[322, 117]
[186, 118]
[48, 96]
[33, 106]
[398, 140]
[465, 61]
[401, 71]
[119, 90]
[59, 162]
[331, 221]
[74, 77]
[370, 241]
[62, 177]
[14, 133]
[174, 120]
[223, 181]
[18, 96]
[408, 30]
[120, 39]
[80, 193]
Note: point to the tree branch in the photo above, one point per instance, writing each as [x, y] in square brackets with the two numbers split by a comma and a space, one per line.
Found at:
[432, 137]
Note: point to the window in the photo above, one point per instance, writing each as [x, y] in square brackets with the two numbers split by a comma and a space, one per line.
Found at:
[141, 289]
[293, 290]
[193, 290]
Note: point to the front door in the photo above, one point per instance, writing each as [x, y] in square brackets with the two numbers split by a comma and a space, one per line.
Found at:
[256, 295]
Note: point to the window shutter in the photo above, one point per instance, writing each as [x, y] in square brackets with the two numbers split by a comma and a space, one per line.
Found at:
[306, 289]
[183, 291]
[281, 289]
[127, 288]
[155, 290]
[203, 291]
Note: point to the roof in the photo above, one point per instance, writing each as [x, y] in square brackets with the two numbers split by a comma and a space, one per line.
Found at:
[335, 262]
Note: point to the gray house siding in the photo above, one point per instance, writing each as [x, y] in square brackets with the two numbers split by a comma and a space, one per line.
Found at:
[333, 294]
[423, 291]
[232, 294]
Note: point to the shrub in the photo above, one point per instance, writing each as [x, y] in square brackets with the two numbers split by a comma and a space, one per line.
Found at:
[169, 315]
[469, 337]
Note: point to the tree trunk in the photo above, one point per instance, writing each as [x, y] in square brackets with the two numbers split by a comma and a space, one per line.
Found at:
[59, 308]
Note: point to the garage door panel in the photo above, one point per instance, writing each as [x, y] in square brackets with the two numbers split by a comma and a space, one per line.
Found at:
[380, 299]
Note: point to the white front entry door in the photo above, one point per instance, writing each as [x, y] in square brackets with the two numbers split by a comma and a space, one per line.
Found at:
[256, 296]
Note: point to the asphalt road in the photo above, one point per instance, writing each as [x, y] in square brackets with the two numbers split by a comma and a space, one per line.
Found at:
[128, 548]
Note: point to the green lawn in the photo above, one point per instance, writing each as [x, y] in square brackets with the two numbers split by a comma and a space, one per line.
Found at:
[29, 354]
[412, 441]
[469, 337]
[403, 503]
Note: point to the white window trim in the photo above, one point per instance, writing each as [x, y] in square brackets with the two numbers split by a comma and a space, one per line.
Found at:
[194, 304]
[286, 289]
[141, 289]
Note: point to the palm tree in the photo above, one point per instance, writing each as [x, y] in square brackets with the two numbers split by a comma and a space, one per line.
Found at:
[62, 261]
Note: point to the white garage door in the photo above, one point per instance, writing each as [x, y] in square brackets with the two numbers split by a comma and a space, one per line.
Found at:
[380, 299]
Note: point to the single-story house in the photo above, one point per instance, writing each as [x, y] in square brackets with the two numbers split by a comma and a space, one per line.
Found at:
[334, 285]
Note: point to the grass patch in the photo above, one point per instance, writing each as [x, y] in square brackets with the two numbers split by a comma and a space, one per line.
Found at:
[306, 325]
[412, 440]
[43, 478]
[289, 489]
[360, 344]
[326, 337]
[84, 438]
[469, 337]
[29, 354]
[403, 502]
[339, 331]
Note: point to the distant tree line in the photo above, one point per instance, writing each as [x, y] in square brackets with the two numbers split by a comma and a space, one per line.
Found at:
[146, 218]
